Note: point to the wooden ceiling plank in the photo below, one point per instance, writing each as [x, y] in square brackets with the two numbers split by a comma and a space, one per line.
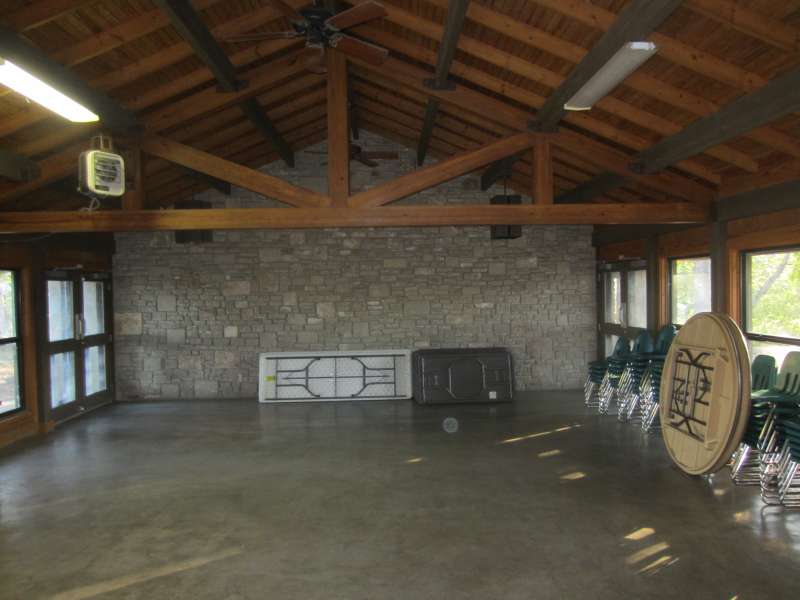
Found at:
[636, 21]
[522, 68]
[504, 113]
[34, 61]
[191, 28]
[761, 27]
[673, 50]
[778, 98]
[384, 216]
[338, 129]
[638, 81]
[235, 174]
[454, 22]
[42, 12]
[427, 177]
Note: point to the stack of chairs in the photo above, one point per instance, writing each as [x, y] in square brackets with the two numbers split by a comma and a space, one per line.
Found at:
[651, 380]
[614, 369]
[746, 461]
[789, 473]
[597, 372]
[775, 450]
[628, 389]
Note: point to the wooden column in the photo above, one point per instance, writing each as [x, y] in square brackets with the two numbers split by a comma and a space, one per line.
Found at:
[134, 198]
[719, 266]
[338, 130]
[653, 280]
[542, 171]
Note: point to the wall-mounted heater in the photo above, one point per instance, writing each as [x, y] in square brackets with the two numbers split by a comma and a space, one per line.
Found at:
[101, 172]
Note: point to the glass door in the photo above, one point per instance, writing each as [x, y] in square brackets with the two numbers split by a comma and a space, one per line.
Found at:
[79, 342]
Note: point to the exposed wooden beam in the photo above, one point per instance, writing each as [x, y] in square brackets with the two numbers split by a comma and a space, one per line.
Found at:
[135, 197]
[492, 109]
[338, 129]
[782, 196]
[542, 161]
[427, 177]
[775, 100]
[590, 190]
[615, 234]
[719, 266]
[16, 167]
[387, 216]
[191, 27]
[39, 13]
[233, 173]
[639, 81]
[636, 21]
[34, 61]
[456, 13]
[498, 170]
[778, 98]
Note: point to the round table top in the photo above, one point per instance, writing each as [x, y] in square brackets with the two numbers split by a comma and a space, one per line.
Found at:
[705, 393]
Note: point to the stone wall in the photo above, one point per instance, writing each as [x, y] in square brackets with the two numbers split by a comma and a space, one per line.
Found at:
[191, 319]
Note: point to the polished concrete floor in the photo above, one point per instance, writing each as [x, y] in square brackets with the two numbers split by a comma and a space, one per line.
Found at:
[233, 500]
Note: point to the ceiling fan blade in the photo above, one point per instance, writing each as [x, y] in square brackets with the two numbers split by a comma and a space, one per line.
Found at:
[356, 15]
[287, 10]
[259, 37]
[366, 162]
[374, 55]
[377, 155]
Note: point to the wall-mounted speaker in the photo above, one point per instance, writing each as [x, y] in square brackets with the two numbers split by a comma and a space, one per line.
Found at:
[506, 232]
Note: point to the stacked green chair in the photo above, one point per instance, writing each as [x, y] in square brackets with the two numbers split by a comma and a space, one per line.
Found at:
[789, 474]
[783, 401]
[610, 383]
[651, 380]
[628, 390]
[597, 371]
[746, 461]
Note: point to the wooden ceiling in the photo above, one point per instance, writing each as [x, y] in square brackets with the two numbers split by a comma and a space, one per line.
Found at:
[511, 56]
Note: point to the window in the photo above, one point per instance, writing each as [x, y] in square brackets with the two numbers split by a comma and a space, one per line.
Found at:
[637, 298]
[690, 288]
[771, 290]
[10, 344]
[623, 294]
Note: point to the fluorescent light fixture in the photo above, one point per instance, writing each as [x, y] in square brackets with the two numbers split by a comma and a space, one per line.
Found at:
[38, 91]
[626, 60]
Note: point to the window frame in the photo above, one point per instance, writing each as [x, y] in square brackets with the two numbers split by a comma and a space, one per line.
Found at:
[18, 340]
[624, 329]
[744, 292]
[670, 287]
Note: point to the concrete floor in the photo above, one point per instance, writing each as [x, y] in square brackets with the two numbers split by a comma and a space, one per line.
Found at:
[375, 500]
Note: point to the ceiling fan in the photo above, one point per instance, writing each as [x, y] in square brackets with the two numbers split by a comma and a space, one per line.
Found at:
[323, 29]
[365, 157]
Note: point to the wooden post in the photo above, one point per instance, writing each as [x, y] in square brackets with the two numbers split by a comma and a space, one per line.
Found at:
[719, 266]
[542, 171]
[338, 129]
[134, 198]
[653, 280]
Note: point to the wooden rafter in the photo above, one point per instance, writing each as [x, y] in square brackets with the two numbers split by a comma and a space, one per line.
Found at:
[504, 113]
[385, 216]
[775, 100]
[456, 13]
[191, 27]
[422, 179]
[16, 167]
[542, 160]
[636, 21]
[36, 62]
[233, 173]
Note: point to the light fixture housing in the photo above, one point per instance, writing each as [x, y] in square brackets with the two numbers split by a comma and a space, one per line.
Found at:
[43, 94]
[624, 62]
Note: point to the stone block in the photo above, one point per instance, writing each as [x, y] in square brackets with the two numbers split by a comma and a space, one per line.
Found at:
[231, 331]
[166, 302]
[128, 323]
